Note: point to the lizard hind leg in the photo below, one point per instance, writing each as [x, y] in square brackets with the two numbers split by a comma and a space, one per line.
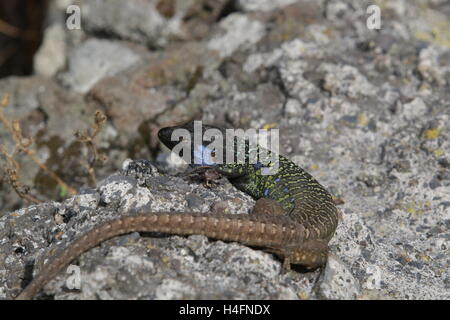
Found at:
[268, 206]
[311, 254]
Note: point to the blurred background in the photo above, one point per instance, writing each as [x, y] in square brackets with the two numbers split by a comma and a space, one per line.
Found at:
[21, 29]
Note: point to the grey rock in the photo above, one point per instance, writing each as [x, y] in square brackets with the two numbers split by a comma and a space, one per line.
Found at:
[113, 17]
[337, 281]
[51, 56]
[345, 80]
[94, 60]
[239, 32]
[263, 5]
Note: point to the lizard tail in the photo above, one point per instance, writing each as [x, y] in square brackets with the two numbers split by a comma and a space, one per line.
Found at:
[256, 230]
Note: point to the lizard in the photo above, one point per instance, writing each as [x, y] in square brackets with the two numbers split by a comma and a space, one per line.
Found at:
[294, 216]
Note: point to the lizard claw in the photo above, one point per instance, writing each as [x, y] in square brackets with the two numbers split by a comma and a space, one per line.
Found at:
[286, 265]
[208, 174]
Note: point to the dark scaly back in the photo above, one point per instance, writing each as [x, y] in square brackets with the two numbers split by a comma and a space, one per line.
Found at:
[303, 197]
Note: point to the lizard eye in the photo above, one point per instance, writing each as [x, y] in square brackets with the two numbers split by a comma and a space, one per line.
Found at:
[213, 154]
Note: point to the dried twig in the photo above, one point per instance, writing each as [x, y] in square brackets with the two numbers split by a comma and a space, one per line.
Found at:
[22, 144]
[88, 139]
[12, 170]
[8, 29]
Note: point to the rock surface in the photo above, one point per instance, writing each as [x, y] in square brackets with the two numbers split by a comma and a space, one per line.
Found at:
[367, 112]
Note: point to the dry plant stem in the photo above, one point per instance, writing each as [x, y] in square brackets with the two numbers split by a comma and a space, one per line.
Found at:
[11, 170]
[8, 29]
[88, 139]
[22, 145]
[64, 185]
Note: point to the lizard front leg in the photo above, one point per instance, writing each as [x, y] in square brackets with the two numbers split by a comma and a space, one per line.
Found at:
[208, 174]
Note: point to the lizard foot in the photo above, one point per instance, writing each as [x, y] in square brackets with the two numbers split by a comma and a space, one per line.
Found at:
[311, 254]
[209, 175]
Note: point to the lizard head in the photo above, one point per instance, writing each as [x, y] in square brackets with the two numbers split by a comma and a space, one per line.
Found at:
[209, 146]
[197, 143]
